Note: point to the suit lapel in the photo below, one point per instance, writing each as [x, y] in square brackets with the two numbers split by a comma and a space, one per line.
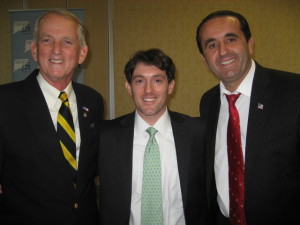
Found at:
[261, 96]
[124, 137]
[86, 123]
[212, 123]
[84, 119]
[124, 143]
[181, 138]
[35, 108]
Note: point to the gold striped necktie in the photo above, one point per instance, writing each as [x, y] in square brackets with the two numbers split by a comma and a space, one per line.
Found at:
[66, 133]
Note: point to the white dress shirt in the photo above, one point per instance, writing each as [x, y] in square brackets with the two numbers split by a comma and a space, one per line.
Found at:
[51, 96]
[221, 159]
[171, 190]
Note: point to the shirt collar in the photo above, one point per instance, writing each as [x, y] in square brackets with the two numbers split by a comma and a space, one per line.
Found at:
[245, 87]
[51, 93]
[162, 124]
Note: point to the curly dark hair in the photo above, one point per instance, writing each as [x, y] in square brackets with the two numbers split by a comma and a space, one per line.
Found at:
[154, 57]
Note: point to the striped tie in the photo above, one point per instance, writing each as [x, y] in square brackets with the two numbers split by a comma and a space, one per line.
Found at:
[66, 134]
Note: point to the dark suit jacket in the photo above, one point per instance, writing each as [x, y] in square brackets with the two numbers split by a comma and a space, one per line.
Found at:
[272, 161]
[115, 166]
[37, 186]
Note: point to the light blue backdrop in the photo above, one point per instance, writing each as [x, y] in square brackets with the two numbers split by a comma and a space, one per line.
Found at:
[22, 25]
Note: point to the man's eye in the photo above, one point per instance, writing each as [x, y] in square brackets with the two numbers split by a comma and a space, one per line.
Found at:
[68, 42]
[211, 46]
[45, 40]
[139, 81]
[231, 40]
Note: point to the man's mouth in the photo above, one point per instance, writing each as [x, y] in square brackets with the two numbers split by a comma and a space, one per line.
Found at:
[149, 99]
[227, 62]
[57, 61]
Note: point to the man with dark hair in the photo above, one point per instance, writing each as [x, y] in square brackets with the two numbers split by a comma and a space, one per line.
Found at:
[253, 121]
[49, 133]
[162, 181]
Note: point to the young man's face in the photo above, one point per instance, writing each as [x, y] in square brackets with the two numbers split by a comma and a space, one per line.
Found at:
[149, 89]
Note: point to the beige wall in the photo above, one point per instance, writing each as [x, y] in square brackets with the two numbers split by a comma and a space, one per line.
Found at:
[169, 25]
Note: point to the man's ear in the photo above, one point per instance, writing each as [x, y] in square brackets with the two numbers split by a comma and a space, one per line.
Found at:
[33, 48]
[83, 54]
[128, 88]
[251, 45]
[171, 87]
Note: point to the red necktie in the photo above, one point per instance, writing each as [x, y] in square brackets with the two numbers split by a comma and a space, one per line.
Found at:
[236, 165]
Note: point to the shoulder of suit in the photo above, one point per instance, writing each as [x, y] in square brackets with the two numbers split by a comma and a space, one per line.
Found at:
[209, 97]
[212, 92]
[194, 126]
[277, 74]
[180, 117]
[87, 95]
[12, 90]
[283, 81]
[118, 122]
[82, 88]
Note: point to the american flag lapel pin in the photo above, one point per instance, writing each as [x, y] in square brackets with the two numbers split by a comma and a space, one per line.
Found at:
[260, 106]
[85, 111]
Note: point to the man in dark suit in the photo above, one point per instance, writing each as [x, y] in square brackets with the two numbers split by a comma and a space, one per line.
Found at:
[269, 112]
[150, 80]
[39, 186]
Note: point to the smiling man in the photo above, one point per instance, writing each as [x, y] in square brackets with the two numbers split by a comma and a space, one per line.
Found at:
[49, 132]
[160, 181]
[253, 121]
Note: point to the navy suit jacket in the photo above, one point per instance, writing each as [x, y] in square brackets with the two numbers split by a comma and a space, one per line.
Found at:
[115, 166]
[272, 160]
[37, 186]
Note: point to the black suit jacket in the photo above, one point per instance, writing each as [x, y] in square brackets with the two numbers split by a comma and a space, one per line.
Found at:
[115, 166]
[272, 161]
[37, 188]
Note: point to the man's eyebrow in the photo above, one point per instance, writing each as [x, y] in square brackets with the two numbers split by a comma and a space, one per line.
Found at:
[137, 76]
[142, 76]
[231, 35]
[226, 35]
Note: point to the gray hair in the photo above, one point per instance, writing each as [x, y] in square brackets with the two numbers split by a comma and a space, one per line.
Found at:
[66, 14]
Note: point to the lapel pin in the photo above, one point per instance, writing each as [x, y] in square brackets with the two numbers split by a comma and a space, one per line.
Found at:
[86, 110]
[260, 106]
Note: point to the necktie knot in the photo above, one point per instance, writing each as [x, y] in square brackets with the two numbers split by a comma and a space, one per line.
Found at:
[63, 96]
[232, 99]
[151, 131]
